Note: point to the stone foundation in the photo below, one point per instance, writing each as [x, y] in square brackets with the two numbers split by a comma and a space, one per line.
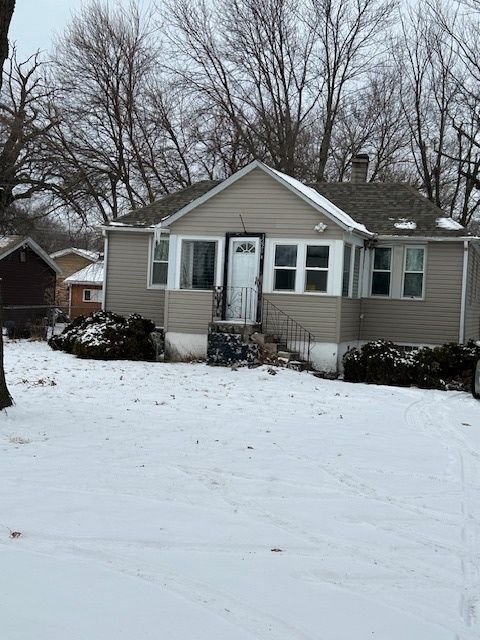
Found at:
[225, 349]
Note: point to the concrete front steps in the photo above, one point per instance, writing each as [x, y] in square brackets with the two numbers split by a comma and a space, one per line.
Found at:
[278, 351]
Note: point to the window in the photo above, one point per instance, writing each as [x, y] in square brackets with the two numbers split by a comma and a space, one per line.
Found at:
[316, 268]
[197, 264]
[413, 272]
[285, 269]
[382, 271]
[347, 258]
[356, 273]
[160, 262]
[92, 295]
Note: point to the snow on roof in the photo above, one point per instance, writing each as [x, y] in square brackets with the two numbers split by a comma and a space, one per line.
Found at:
[85, 253]
[91, 274]
[448, 223]
[321, 201]
[403, 223]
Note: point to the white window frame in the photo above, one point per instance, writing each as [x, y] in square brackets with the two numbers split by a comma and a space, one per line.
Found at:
[219, 259]
[91, 301]
[327, 269]
[277, 268]
[335, 265]
[151, 255]
[373, 270]
[350, 269]
[404, 271]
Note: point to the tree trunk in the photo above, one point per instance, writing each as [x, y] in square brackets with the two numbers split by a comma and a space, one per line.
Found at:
[5, 397]
[6, 13]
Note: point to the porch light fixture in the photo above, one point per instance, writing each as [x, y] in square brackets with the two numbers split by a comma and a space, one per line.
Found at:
[320, 227]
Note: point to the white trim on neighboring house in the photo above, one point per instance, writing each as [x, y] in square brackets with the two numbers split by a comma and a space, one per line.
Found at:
[36, 249]
[309, 195]
[126, 228]
[94, 256]
[463, 303]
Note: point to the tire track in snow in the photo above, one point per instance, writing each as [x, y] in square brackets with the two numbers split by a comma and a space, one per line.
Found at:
[467, 464]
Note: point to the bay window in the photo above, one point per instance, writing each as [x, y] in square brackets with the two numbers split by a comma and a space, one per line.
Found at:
[316, 268]
[413, 272]
[160, 262]
[197, 267]
[382, 271]
[285, 267]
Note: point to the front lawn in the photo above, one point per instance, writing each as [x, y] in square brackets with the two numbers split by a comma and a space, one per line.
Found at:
[181, 502]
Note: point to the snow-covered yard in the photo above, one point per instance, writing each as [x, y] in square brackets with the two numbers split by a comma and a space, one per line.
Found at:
[181, 502]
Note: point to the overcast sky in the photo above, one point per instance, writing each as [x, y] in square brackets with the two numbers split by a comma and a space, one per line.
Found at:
[35, 23]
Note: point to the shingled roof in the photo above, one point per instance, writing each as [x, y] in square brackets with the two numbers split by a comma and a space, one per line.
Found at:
[157, 211]
[385, 209]
[392, 209]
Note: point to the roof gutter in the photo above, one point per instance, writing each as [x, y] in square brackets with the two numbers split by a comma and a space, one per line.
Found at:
[463, 304]
[431, 238]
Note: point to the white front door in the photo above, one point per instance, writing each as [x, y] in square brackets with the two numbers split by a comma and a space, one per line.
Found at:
[243, 273]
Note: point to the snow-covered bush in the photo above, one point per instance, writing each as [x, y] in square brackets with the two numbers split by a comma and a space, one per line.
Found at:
[449, 366]
[107, 336]
[379, 362]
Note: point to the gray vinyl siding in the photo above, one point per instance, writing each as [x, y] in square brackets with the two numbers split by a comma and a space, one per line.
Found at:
[434, 320]
[350, 319]
[126, 277]
[316, 314]
[357, 259]
[265, 206]
[472, 309]
[188, 311]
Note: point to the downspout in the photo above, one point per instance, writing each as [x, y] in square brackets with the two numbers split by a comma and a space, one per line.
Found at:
[463, 303]
[105, 264]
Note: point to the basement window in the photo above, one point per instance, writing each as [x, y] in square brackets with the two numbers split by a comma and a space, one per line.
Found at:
[197, 270]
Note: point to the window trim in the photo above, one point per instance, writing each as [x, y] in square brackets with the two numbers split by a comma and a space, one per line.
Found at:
[390, 271]
[404, 271]
[90, 301]
[327, 269]
[217, 264]
[350, 270]
[283, 268]
[151, 254]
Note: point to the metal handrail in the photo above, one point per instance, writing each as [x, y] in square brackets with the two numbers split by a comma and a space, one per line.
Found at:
[274, 320]
[287, 330]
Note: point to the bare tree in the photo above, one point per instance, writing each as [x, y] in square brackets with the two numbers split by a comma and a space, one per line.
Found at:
[6, 12]
[121, 137]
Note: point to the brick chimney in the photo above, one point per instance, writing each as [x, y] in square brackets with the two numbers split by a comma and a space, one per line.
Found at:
[359, 168]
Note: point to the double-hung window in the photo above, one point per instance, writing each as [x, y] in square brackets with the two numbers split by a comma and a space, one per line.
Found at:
[413, 272]
[197, 268]
[382, 271]
[160, 263]
[285, 267]
[316, 268]
[347, 259]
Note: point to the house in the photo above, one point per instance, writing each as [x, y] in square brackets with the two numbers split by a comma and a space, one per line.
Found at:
[70, 260]
[340, 263]
[28, 277]
[85, 290]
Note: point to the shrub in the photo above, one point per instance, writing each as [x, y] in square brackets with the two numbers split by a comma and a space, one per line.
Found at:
[107, 336]
[379, 362]
[449, 366]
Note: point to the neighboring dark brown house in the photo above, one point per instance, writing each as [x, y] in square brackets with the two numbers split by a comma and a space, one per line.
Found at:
[28, 281]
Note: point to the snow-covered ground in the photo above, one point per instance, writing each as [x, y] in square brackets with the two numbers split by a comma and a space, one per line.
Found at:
[152, 497]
